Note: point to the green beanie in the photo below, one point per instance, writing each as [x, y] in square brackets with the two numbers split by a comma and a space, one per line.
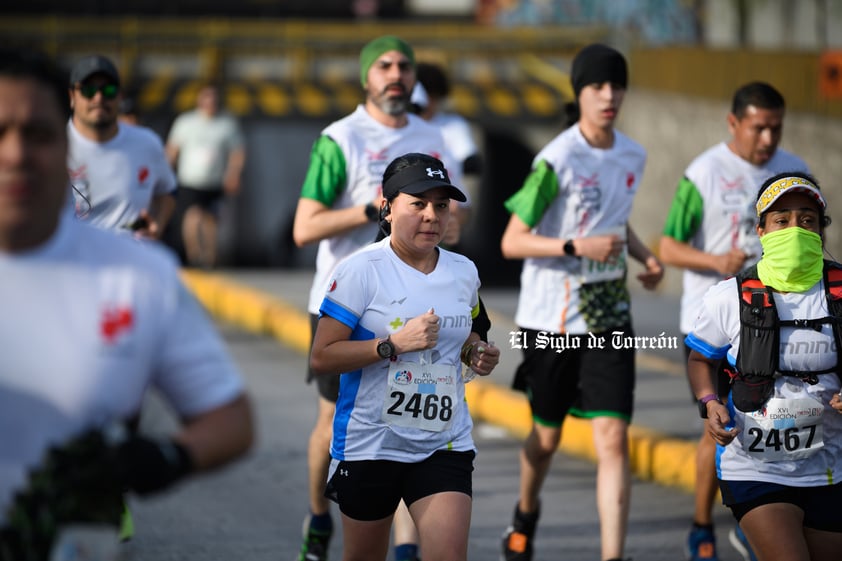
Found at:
[377, 47]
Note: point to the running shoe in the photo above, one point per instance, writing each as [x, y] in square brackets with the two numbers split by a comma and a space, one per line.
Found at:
[701, 544]
[740, 542]
[315, 544]
[517, 546]
[517, 539]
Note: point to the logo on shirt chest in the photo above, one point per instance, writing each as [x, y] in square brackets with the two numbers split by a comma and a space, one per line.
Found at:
[115, 323]
[142, 175]
[78, 174]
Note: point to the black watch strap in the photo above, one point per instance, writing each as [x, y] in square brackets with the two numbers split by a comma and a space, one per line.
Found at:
[385, 348]
[569, 248]
[372, 213]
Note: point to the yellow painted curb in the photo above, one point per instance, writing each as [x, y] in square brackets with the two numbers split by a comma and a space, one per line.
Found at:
[653, 456]
[250, 309]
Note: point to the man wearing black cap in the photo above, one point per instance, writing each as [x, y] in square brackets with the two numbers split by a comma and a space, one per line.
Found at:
[339, 208]
[569, 224]
[120, 175]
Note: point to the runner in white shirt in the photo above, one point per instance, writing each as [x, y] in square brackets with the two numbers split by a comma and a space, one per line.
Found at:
[710, 233]
[339, 208]
[779, 439]
[396, 324]
[91, 320]
[121, 178]
[570, 225]
[428, 100]
[207, 147]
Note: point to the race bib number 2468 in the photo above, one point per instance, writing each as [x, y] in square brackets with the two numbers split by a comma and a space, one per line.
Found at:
[421, 396]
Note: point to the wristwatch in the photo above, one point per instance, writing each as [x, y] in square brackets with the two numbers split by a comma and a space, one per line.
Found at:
[372, 213]
[385, 348]
[569, 248]
[703, 404]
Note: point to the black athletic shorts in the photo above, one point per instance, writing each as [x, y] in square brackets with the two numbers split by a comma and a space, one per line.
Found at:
[820, 504]
[328, 385]
[586, 382]
[372, 489]
[208, 199]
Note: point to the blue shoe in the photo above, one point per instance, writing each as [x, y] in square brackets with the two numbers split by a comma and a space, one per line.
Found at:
[701, 544]
[740, 542]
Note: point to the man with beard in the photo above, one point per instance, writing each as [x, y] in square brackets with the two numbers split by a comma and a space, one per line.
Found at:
[340, 208]
[120, 176]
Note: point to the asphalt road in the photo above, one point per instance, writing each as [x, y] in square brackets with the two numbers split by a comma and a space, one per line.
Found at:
[252, 511]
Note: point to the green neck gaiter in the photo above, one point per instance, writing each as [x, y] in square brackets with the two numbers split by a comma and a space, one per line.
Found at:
[792, 259]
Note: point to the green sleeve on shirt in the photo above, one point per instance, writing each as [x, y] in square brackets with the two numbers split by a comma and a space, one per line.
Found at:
[326, 176]
[686, 212]
[539, 191]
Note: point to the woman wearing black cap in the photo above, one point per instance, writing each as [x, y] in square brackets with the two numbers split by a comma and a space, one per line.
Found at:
[779, 435]
[396, 323]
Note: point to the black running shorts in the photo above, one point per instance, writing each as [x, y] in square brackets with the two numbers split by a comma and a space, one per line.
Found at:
[372, 489]
[584, 381]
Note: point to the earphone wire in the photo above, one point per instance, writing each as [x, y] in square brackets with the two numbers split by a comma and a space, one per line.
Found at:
[84, 198]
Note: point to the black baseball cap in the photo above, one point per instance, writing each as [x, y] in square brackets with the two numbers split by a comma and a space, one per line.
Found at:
[419, 177]
[94, 64]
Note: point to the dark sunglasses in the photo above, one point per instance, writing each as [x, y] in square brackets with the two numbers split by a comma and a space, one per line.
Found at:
[109, 91]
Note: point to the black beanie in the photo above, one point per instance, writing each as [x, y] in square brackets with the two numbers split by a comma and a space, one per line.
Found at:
[596, 64]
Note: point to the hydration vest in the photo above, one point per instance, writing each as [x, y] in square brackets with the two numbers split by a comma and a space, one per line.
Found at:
[758, 357]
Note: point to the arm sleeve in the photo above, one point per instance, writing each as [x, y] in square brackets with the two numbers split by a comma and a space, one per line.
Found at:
[166, 181]
[194, 371]
[539, 190]
[481, 322]
[326, 176]
[720, 308]
[685, 214]
[236, 139]
[346, 297]
[174, 137]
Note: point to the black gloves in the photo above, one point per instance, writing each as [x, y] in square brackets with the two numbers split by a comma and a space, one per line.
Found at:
[147, 465]
[83, 481]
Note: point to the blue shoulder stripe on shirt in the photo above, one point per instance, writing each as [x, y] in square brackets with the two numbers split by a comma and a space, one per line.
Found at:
[339, 313]
[705, 348]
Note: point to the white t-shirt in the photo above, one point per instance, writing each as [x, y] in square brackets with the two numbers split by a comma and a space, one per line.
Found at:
[771, 439]
[457, 135]
[368, 147]
[90, 321]
[117, 179]
[725, 186]
[205, 144]
[384, 410]
[592, 194]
